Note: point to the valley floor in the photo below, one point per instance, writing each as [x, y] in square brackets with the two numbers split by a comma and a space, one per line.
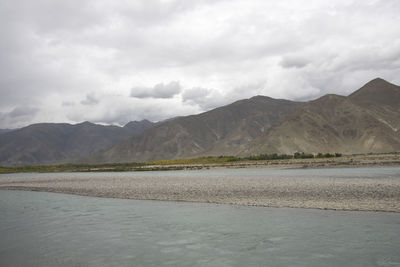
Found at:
[370, 160]
[351, 161]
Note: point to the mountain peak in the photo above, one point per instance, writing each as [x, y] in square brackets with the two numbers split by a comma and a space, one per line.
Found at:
[137, 123]
[376, 83]
[260, 97]
[377, 91]
[85, 123]
[331, 96]
[377, 79]
[137, 127]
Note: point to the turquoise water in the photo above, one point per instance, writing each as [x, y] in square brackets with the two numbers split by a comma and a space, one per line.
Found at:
[47, 229]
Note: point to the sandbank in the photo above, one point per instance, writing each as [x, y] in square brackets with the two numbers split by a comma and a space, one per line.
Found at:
[319, 193]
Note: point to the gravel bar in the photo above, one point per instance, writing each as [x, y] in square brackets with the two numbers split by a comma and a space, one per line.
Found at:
[318, 193]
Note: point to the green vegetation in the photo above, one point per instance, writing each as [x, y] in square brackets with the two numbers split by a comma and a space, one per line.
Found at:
[73, 167]
[270, 157]
[328, 155]
[297, 155]
[174, 164]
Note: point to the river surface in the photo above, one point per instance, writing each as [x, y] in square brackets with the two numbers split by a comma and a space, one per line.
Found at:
[48, 229]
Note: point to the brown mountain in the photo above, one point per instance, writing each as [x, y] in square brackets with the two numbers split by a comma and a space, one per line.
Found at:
[50, 143]
[366, 121]
[225, 130]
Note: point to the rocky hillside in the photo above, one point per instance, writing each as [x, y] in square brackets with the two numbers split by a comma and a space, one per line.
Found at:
[366, 121]
[50, 143]
[222, 131]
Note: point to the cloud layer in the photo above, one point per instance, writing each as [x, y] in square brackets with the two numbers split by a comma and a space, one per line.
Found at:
[112, 61]
[159, 90]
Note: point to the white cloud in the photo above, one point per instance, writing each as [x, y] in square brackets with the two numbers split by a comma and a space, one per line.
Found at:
[119, 110]
[206, 99]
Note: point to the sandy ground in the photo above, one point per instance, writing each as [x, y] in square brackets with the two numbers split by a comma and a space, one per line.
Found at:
[320, 193]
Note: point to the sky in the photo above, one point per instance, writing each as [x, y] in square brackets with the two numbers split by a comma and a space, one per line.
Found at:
[115, 61]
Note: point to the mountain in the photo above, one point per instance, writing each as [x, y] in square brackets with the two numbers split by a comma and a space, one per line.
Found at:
[137, 127]
[224, 130]
[380, 99]
[2, 131]
[50, 143]
[377, 92]
[366, 121]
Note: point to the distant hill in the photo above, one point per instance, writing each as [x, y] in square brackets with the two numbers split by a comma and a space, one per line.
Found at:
[50, 143]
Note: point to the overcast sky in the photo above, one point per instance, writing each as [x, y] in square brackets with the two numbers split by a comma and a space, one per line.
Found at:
[111, 61]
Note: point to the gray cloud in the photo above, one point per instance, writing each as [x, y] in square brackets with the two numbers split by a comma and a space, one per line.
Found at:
[196, 95]
[23, 112]
[159, 90]
[293, 62]
[90, 100]
[204, 98]
[53, 51]
[18, 116]
[68, 104]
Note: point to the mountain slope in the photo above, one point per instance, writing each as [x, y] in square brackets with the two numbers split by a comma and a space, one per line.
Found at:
[137, 127]
[365, 121]
[2, 131]
[380, 99]
[49, 143]
[377, 92]
[224, 130]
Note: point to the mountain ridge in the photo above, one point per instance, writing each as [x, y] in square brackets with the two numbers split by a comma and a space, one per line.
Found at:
[358, 123]
[53, 143]
[225, 128]
[366, 120]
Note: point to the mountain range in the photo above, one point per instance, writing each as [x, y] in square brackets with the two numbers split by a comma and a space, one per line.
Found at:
[365, 121]
[54, 143]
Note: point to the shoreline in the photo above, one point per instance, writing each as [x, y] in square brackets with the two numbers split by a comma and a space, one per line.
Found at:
[346, 161]
[357, 194]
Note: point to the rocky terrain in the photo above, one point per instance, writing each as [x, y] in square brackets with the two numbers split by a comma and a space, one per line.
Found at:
[54, 143]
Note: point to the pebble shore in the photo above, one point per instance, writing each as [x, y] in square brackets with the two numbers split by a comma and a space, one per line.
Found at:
[318, 193]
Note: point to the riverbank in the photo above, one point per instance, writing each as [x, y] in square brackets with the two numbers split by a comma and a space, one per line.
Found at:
[380, 194]
[369, 160]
